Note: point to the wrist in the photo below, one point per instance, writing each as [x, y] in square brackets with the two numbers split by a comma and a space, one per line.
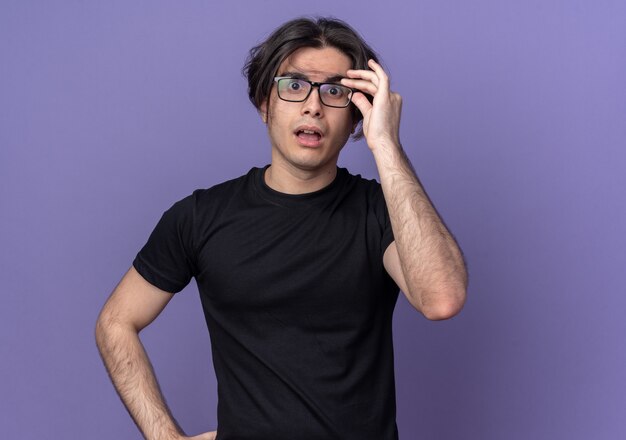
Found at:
[387, 151]
[384, 143]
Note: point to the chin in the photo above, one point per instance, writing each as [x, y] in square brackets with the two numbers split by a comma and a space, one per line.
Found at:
[309, 165]
[314, 161]
[306, 158]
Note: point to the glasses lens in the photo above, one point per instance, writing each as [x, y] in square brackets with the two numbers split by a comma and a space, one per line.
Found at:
[293, 89]
[335, 95]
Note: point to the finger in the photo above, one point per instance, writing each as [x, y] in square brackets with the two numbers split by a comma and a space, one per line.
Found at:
[361, 102]
[380, 72]
[363, 74]
[365, 86]
[205, 436]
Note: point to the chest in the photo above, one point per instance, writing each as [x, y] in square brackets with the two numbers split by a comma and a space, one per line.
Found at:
[277, 258]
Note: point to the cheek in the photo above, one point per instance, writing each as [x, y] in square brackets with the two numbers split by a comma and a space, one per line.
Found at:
[278, 121]
[277, 111]
[347, 123]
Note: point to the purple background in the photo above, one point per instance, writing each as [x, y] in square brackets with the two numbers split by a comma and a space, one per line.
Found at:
[514, 117]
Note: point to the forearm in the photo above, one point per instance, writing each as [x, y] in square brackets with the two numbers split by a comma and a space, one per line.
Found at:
[133, 377]
[431, 267]
[431, 261]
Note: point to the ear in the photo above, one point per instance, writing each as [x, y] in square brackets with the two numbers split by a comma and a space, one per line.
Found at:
[263, 111]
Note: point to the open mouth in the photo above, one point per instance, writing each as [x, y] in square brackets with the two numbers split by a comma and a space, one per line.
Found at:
[307, 135]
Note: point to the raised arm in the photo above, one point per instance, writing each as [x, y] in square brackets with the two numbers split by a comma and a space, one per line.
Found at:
[133, 305]
[424, 259]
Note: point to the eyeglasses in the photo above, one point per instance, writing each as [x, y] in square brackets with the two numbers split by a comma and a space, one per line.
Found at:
[298, 90]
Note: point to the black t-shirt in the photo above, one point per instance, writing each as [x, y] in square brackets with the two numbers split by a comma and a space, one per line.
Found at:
[297, 301]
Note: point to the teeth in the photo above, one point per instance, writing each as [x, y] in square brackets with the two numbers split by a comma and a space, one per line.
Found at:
[308, 131]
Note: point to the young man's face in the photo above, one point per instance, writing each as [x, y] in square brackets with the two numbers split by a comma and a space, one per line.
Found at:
[291, 145]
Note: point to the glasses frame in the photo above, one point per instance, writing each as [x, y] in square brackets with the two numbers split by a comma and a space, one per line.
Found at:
[313, 85]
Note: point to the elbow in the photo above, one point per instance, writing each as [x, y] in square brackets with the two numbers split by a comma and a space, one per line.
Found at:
[444, 305]
[440, 312]
[103, 327]
[107, 327]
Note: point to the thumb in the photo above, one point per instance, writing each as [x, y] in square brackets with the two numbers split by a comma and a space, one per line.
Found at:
[205, 436]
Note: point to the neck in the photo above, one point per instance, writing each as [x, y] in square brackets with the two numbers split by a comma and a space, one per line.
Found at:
[290, 180]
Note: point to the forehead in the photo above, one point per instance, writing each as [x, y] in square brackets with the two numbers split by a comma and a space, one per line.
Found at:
[317, 64]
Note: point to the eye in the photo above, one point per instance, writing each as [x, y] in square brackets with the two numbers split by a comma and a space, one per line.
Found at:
[294, 85]
[335, 91]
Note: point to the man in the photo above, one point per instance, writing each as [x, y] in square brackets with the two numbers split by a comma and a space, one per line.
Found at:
[298, 263]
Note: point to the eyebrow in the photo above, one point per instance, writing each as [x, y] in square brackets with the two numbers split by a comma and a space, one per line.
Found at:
[299, 75]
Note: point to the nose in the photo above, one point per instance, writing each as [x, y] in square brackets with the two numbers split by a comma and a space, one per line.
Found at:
[313, 104]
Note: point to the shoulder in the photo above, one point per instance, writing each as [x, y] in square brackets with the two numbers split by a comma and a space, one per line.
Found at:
[205, 204]
[216, 194]
[369, 194]
[355, 182]
[228, 186]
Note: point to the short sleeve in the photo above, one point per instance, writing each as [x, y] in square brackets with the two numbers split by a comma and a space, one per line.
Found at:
[167, 259]
[380, 205]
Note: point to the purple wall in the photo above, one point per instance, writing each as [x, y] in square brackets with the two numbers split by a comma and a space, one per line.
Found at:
[514, 117]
